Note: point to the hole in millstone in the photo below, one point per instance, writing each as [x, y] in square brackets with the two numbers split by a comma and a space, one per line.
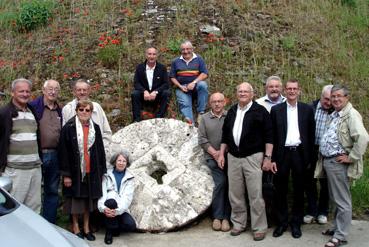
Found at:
[158, 174]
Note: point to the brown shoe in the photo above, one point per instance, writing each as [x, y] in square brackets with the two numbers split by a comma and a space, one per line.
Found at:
[217, 225]
[258, 236]
[225, 226]
[235, 232]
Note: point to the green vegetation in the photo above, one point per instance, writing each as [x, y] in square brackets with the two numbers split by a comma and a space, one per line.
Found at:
[316, 41]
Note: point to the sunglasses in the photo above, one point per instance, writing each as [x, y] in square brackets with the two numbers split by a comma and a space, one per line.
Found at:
[83, 110]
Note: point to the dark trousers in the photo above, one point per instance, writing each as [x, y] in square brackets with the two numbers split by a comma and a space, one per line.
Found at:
[292, 162]
[51, 177]
[316, 207]
[162, 99]
[124, 222]
[221, 208]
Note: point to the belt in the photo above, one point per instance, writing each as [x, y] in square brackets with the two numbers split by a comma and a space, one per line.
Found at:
[331, 156]
[48, 150]
[292, 148]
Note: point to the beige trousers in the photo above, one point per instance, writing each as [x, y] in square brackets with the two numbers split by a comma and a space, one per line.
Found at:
[246, 174]
[26, 186]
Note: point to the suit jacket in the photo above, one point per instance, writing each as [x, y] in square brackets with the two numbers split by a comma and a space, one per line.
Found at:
[160, 80]
[306, 124]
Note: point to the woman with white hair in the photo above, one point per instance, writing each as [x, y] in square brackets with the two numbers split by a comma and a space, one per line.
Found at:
[118, 189]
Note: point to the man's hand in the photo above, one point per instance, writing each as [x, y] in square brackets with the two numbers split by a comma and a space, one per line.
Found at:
[215, 154]
[268, 165]
[221, 161]
[67, 182]
[343, 158]
[191, 86]
[153, 95]
[146, 95]
[183, 88]
[110, 213]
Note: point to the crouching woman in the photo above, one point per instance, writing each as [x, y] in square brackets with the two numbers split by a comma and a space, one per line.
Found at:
[118, 189]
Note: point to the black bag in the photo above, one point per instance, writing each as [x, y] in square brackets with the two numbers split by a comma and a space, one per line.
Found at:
[268, 186]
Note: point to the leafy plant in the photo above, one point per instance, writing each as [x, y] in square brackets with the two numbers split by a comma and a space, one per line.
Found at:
[110, 50]
[33, 14]
[174, 45]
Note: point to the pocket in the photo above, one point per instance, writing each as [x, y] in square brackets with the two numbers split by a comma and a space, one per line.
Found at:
[10, 172]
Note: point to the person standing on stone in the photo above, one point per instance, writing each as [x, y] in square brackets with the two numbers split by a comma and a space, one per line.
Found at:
[210, 135]
[342, 147]
[20, 153]
[273, 89]
[49, 115]
[188, 73]
[318, 211]
[81, 91]
[82, 166]
[151, 86]
[293, 142]
[118, 188]
[247, 135]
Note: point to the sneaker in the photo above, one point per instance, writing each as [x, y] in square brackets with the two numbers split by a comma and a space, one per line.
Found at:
[225, 226]
[217, 225]
[322, 219]
[308, 219]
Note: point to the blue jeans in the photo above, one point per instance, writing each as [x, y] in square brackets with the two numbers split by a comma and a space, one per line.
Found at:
[184, 100]
[51, 177]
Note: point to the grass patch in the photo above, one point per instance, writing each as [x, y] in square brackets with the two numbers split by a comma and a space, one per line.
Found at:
[360, 192]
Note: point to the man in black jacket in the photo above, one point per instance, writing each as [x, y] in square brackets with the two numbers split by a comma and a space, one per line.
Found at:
[247, 134]
[293, 142]
[151, 86]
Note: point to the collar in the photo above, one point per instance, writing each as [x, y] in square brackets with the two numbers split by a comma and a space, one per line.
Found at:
[280, 99]
[45, 105]
[212, 115]
[193, 57]
[149, 68]
[291, 106]
[245, 108]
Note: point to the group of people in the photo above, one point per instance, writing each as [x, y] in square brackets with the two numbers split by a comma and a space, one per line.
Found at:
[40, 140]
[277, 134]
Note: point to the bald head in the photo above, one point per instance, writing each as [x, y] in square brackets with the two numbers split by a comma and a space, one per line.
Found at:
[217, 103]
[245, 93]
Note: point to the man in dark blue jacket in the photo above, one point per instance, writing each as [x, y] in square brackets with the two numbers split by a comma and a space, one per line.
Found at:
[151, 86]
[49, 116]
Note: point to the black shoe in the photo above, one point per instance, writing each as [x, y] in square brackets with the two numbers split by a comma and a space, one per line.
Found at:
[80, 235]
[296, 231]
[279, 231]
[89, 236]
[108, 237]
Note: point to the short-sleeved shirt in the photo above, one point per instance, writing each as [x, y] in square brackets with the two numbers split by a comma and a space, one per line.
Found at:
[187, 71]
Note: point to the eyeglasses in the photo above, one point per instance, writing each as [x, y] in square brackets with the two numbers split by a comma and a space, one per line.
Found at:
[337, 96]
[50, 90]
[84, 110]
[244, 91]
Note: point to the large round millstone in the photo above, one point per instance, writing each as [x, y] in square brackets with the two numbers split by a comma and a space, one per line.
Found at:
[172, 182]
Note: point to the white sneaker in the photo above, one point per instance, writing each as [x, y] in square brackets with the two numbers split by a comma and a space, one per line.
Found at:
[308, 219]
[322, 219]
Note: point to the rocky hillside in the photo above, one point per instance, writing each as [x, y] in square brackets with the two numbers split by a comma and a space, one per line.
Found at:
[317, 42]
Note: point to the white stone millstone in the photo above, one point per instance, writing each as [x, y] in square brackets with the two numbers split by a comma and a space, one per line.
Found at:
[186, 191]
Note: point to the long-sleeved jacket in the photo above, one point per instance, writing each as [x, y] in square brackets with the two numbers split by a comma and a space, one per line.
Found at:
[160, 79]
[7, 113]
[123, 197]
[69, 161]
[354, 138]
[256, 131]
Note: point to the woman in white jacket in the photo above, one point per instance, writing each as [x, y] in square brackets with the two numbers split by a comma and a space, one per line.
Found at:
[118, 188]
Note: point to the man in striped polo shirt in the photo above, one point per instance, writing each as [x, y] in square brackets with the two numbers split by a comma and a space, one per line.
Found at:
[19, 146]
[188, 73]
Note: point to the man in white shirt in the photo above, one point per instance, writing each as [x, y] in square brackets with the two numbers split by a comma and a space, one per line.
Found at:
[273, 90]
[151, 86]
[247, 135]
[294, 132]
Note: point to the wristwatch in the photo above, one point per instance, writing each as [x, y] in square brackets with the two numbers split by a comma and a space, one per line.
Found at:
[269, 157]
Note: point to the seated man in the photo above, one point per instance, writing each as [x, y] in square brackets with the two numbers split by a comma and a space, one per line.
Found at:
[188, 73]
[150, 86]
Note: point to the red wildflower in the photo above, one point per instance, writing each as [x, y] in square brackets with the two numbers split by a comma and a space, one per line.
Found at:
[75, 75]
[115, 42]
[101, 45]
[65, 75]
